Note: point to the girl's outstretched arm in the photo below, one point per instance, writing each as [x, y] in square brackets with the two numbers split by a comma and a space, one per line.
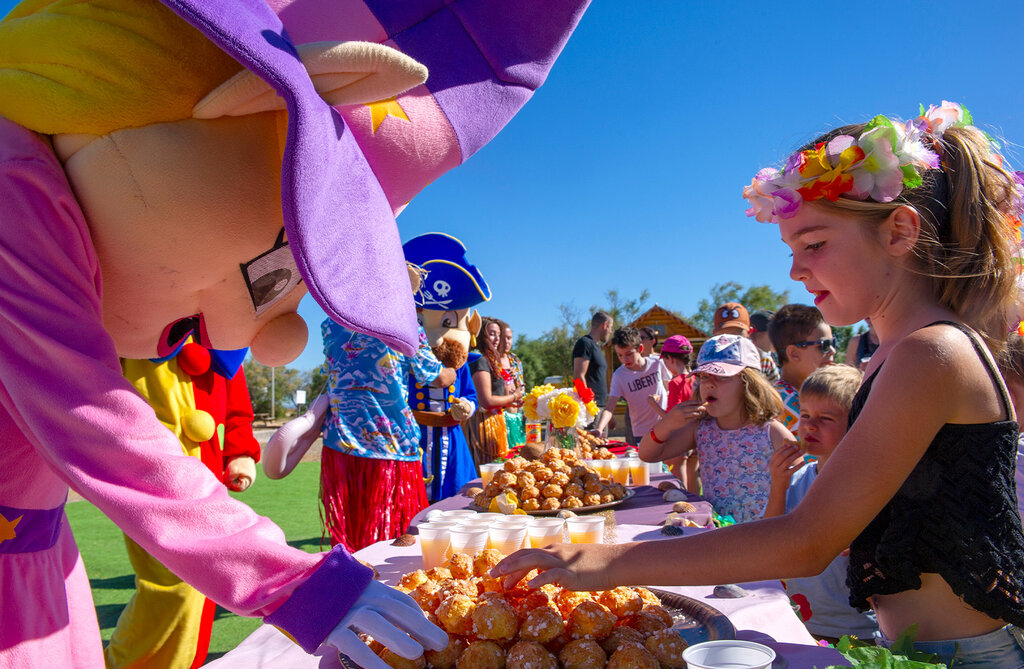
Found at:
[931, 378]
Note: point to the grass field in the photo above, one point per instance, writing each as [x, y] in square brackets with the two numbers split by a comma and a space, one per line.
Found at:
[290, 502]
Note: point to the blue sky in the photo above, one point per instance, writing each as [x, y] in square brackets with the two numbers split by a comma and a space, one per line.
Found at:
[625, 170]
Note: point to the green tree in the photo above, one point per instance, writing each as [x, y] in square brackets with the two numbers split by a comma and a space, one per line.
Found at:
[754, 298]
[284, 380]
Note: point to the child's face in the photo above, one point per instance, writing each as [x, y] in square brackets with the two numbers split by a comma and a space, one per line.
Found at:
[828, 250]
[722, 394]
[629, 356]
[810, 356]
[822, 424]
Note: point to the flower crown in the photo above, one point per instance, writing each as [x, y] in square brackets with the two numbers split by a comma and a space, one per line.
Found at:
[876, 166]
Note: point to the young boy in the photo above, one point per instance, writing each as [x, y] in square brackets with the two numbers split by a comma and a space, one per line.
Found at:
[637, 379]
[825, 399]
[803, 342]
[675, 356]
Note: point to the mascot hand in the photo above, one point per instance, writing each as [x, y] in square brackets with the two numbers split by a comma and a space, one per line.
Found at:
[390, 617]
[461, 409]
[240, 473]
[291, 441]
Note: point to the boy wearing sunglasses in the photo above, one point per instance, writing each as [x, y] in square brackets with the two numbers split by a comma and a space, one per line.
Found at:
[803, 342]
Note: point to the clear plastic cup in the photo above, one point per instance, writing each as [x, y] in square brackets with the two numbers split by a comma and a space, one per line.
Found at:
[639, 472]
[586, 529]
[457, 513]
[620, 471]
[435, 544]
[434, 514]
[729, 654]
[506, 538]
[546, 532]
[478, 523]
[490, 516]
[488, 470]
[468, 540]
[603, 468]
[654, 467]
[516, 521]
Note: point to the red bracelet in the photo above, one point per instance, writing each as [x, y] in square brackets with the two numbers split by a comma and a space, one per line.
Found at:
[655, 437]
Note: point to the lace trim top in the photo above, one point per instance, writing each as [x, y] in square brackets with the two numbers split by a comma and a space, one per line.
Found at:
[955, 515]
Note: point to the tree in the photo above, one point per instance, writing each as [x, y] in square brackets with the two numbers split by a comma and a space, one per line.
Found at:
[285, 382]
[755, 298]
[551, 353]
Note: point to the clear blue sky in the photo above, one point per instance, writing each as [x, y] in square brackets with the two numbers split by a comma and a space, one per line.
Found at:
[625, 170]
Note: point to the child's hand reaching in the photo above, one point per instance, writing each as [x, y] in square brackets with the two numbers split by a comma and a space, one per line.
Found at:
[784, 462]
[573, 566]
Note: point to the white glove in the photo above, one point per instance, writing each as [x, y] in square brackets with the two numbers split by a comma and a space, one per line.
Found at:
[391, 617]
[291, 441]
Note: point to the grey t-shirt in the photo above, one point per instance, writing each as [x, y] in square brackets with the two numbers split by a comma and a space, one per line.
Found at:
[596, 376]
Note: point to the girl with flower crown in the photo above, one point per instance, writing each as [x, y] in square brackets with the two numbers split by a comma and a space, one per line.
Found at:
[915, 226]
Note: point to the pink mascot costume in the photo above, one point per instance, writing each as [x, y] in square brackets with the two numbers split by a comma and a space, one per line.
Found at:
[192, 168]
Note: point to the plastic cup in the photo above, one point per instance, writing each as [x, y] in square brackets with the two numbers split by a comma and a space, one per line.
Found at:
[731, 654]
[477, 523]
[507, 539]
[603, 468]
[468, 540]
[457, 513]
[586, 529]
[620, 471]
[654, 467]
[546, 532]
[435, 544]
[489, 516]
[590, 463]
[488, 470]
[639, 471]
[516, 521]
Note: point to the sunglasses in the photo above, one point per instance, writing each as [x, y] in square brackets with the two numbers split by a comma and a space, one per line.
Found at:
[824, 344]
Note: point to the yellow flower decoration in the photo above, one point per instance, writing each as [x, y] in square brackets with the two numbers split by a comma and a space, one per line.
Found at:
[565, 411]
[592, 408]
[530, 407]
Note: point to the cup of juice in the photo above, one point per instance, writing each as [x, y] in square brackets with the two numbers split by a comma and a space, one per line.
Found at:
[620, 471]
[468, 540]
[487, 472]
[586, 529]
[507, 539]
[435, 544]
[639, 471]
[603, 468]
[546, 532]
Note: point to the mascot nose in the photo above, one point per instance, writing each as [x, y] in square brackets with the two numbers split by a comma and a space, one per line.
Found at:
[280, 341]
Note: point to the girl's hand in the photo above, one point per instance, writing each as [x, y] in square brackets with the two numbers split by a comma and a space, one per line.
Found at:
[685, 413]
[573, 566]
[788, 459]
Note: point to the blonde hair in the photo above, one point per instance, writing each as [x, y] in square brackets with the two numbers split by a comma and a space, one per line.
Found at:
[836, 383]
[967, 239]
[761, 401]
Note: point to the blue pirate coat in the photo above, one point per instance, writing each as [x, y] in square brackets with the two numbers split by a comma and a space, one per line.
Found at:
[447, 461]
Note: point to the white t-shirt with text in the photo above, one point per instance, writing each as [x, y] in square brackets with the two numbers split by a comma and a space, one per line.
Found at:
[635, 387]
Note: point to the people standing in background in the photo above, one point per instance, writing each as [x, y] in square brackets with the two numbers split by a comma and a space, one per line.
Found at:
[731, 318]
[861, 347]
[759, 321]
[493, 393]
[638, 378]
[588, 363]
[676, 353]
[514, 420]
[804, 342]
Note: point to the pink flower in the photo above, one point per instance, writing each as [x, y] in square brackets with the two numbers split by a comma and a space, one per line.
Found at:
[878, 176]
[941, 117]
[759, 194]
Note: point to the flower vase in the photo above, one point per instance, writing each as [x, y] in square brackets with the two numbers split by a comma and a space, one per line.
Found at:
[562, 437]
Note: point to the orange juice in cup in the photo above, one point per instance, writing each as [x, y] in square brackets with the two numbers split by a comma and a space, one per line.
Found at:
[586, 529]
[435, 543]
[639, 471]
[546, 532]
[603, 468]
[620, 471]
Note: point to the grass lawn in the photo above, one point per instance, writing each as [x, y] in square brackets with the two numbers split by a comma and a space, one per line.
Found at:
[290, 502]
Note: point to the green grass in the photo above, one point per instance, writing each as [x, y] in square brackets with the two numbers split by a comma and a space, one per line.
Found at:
[291, 502]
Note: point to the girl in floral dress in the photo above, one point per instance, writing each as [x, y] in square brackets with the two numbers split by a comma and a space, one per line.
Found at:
[731, 428]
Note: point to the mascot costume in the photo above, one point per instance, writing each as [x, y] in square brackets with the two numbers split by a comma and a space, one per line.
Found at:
[371, 480]
[201, 396]
[444, 303]
[192, 168]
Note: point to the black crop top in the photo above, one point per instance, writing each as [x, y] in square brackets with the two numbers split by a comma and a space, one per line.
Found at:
[955, 515]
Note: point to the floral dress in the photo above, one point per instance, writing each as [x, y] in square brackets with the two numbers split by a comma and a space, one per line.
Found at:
[734, 468]
[369, 395]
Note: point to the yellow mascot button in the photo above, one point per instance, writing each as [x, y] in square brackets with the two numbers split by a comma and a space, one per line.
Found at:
[198, 425]
[452, 388]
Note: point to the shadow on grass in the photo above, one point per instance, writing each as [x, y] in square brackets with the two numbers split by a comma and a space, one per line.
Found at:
[107, 614]
[316, 542]
[123, 582]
